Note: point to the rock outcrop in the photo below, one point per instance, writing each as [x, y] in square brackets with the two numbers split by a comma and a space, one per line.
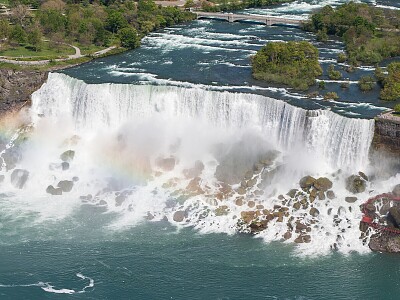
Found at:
[16, 88]
[387, 133]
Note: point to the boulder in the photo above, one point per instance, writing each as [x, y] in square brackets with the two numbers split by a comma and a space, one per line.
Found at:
[251, 182]
[1, 178]
[323, 184]
[396, 190]
[292, 193]
[67, 156]
[363, 176]
[330, 194]
[66, 185]
[350, 199]
[314, 212]
[65, 165]
[120, 199]
[19, 177]
[385, 243]
[306, 182]
[287, 235]
[53, 191]
[321, 195]
[356, 184]
[394, 216]
[179, 216]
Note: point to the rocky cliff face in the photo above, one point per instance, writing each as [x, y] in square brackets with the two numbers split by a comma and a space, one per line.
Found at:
[387, 134]
[17, 86]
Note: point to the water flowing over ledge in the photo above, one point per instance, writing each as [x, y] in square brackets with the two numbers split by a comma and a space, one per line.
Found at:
[343, 142]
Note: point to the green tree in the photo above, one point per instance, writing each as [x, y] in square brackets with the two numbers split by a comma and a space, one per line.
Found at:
[366, 83]
[18, 34]
[391, 89]
[115, 21]
[129, 37]
[5, 29]
[397, 108]
[35, 38]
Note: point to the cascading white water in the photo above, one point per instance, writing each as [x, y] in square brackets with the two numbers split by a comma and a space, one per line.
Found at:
[343, 142]
[185, 154]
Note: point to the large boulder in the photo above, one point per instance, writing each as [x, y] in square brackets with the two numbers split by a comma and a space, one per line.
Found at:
[323, 184]
[19, 177]
[179, 216]
[385, 243]
[66, 185]
[356, 184]
[195, 171]
[394, 216]
[396, 190]
[307, 182]
[67, 156]
[53, 191]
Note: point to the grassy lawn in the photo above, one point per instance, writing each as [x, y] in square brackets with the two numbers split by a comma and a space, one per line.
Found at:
[89, 49]
[25, 52]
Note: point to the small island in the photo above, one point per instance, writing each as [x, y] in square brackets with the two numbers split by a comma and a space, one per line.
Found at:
[292, 63]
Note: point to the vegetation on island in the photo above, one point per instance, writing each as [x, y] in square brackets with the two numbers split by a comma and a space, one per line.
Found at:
[293, 63]
[366, 83]
[371, 34]
[44, 28]
[391, 83]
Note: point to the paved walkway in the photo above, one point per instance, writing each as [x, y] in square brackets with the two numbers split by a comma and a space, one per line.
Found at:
[77, 54]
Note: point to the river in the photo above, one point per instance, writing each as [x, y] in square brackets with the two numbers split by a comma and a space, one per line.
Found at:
[157, 154]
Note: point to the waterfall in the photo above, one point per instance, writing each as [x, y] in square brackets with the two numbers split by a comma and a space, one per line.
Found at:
[342, 142]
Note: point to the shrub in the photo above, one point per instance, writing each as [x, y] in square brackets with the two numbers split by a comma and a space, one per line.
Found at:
[341, 58]
[331, 96]
[334, 74]
[366, 83]
[397, 108]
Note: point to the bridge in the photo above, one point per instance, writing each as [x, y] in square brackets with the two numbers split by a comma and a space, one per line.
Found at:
[230, 17]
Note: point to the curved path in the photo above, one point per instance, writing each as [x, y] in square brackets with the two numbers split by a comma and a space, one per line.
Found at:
[77, 54]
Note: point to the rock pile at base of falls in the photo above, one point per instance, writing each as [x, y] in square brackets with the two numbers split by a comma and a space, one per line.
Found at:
[387, 213]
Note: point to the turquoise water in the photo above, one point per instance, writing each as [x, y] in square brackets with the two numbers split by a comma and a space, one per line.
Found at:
[153, 261]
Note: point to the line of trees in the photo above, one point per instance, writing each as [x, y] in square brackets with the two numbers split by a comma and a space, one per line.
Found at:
[96, 22]
[370, 33]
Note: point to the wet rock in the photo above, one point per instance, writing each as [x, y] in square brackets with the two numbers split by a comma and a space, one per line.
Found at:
[120, 199]
[385, 243]
[396, 190]
[53, 191]
[166, 164]
[321, 195]
[179, 216]
[258, 193]
[239, 202]
[303, 239]
[323, 184]
[241, 191]
[88, 197]
[65, 165]
[248, 175]
[287, 235]
[300, 226]
[394, 216]
[251, 204]
[256, 227]
[314, 212]
[297, 205]
[258, 167]
[330, 194]
[1, 178]
[248, 216]
[363, 176]
[251, 182]
[350, 199]
[292, 193]
[195, 171]
[75, 179]
[19, 177]
[356, 184]
[306, 182]
[67, 156]
[260, 206]
[194, 186]
[66, 185]
[221, 210]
